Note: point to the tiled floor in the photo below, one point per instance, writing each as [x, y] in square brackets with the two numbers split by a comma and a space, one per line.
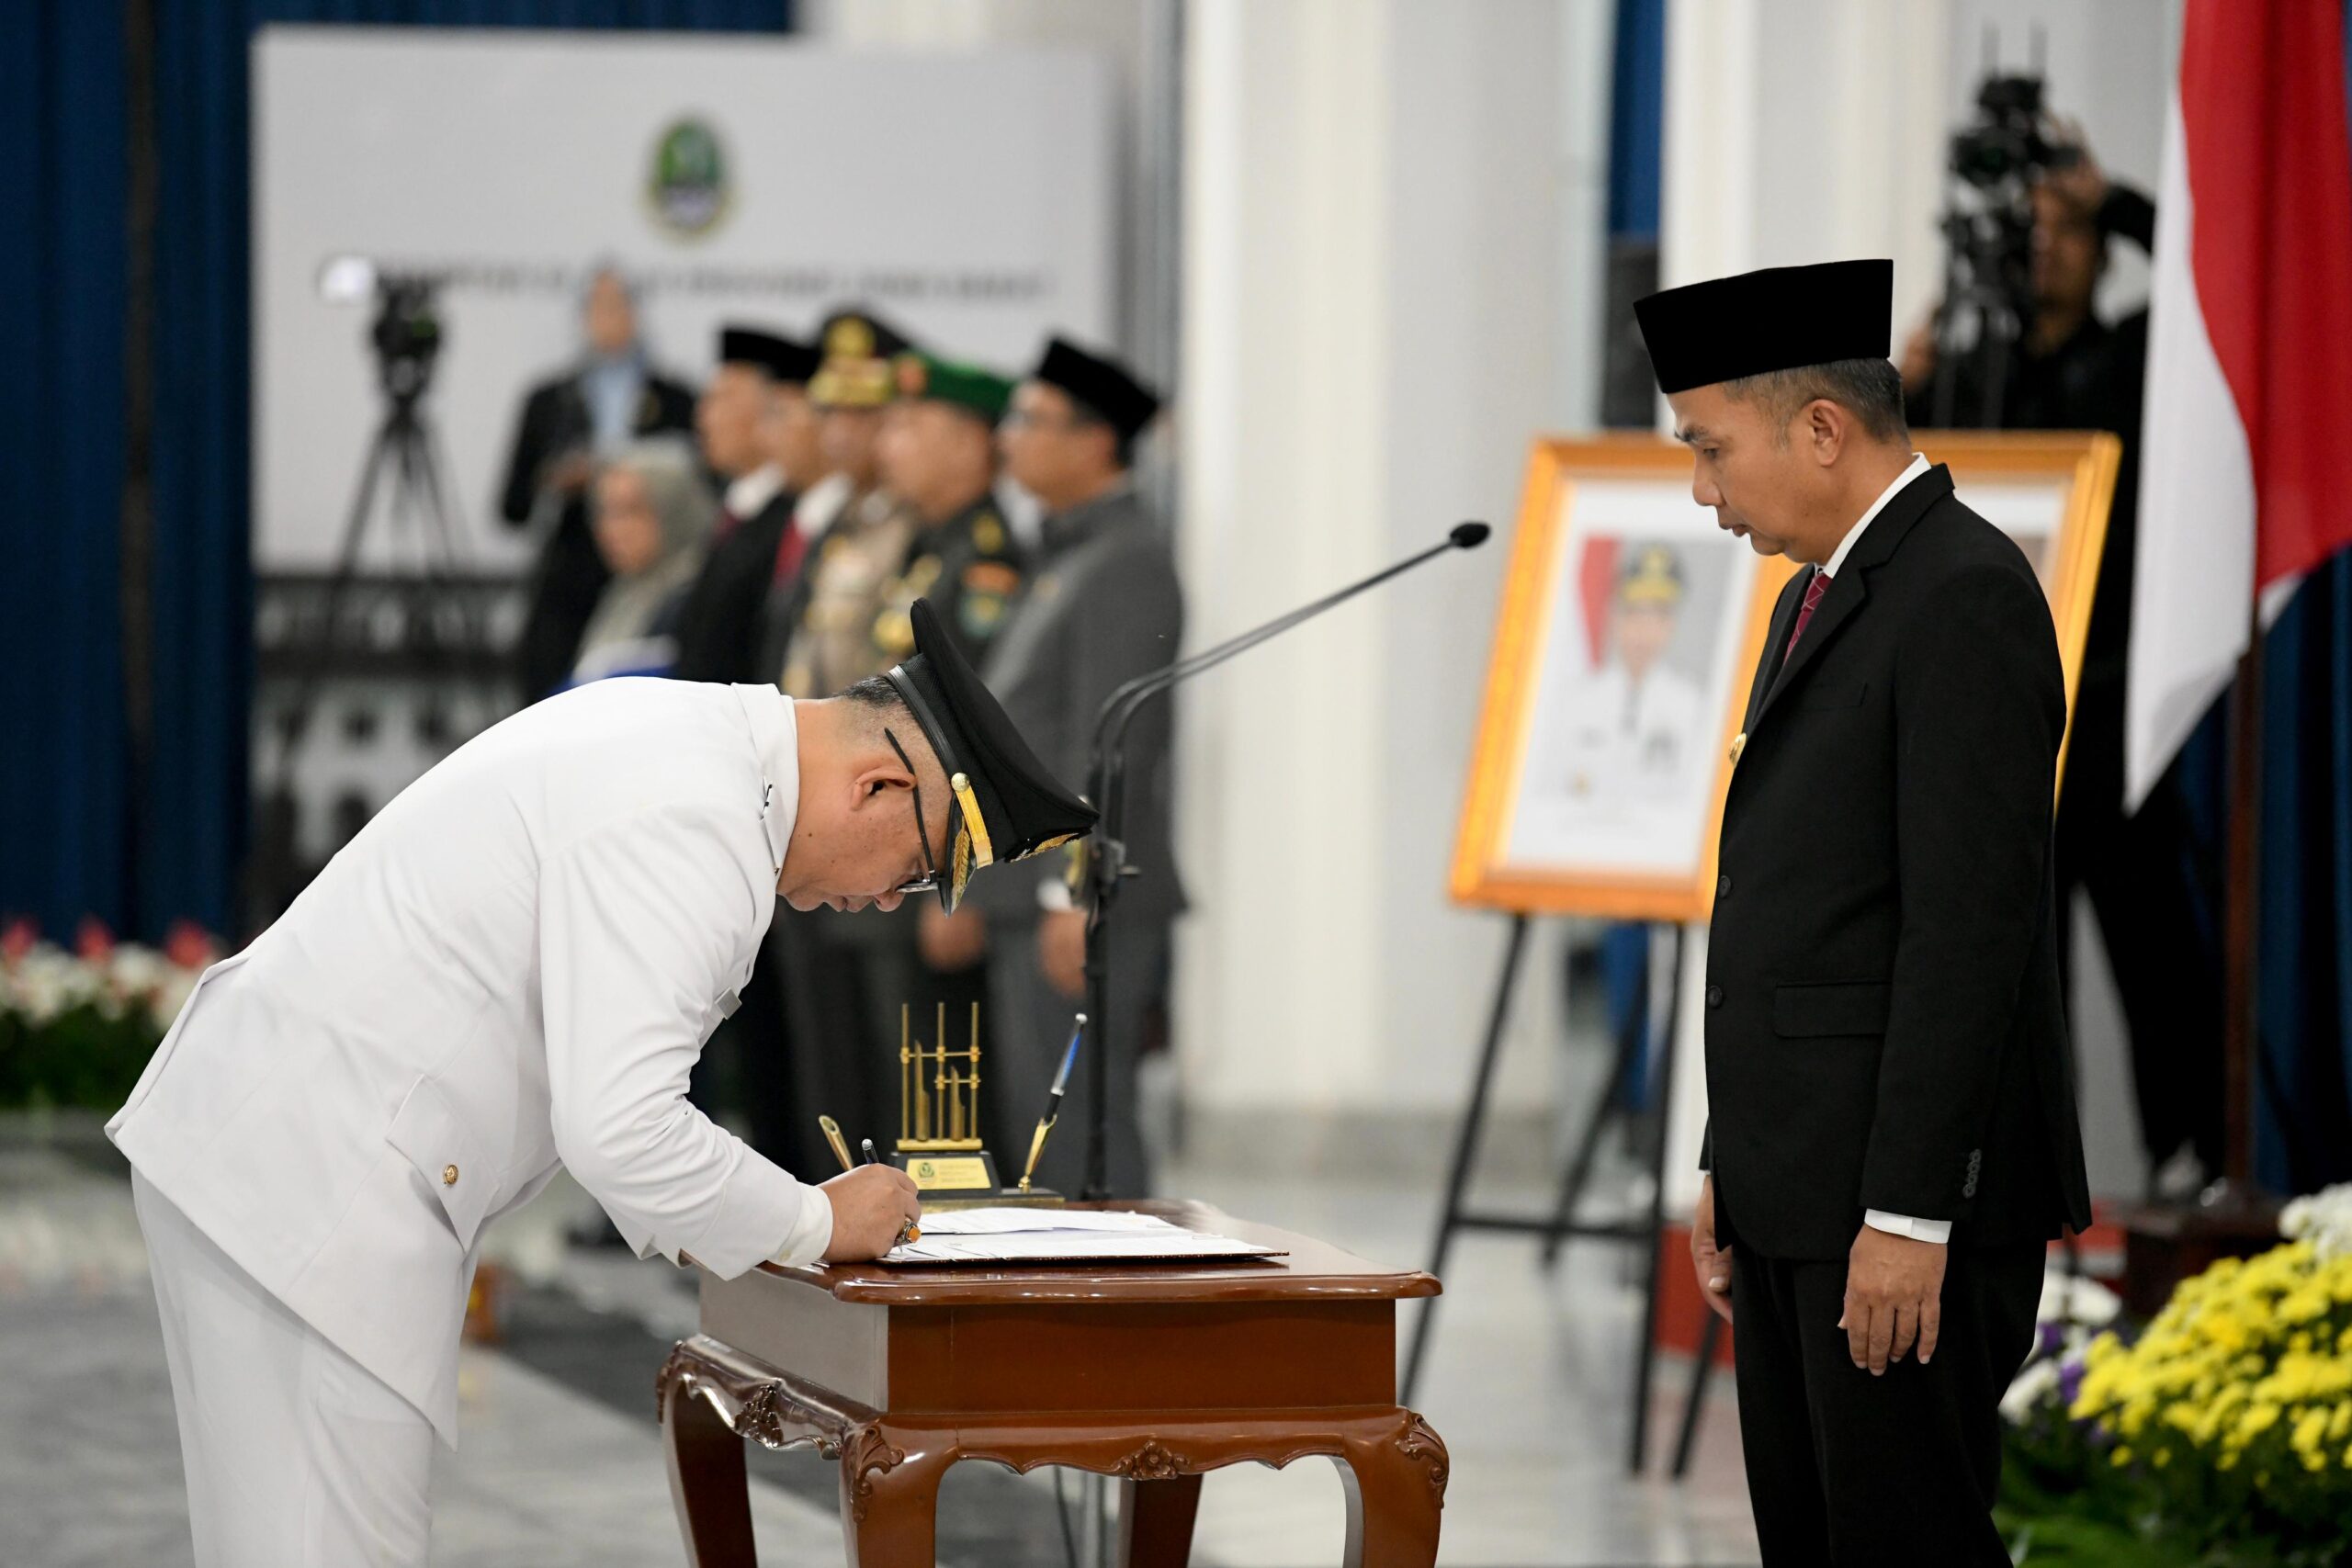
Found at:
[559, 1461]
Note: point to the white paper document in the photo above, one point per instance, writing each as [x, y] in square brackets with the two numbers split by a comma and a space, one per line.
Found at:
[1011, 1221]
[1063, 1236]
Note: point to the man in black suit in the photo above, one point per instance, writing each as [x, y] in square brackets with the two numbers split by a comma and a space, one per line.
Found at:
[594, 408]
[719, 624]
[1892, 1142]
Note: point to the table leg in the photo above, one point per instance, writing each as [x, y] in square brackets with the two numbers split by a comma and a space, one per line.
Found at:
[1395, 1486]
[890, 1497]
[706, 1483]
[1156, 1521]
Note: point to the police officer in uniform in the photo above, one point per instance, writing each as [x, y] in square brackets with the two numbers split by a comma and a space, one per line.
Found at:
[820, 638]
[825, 627]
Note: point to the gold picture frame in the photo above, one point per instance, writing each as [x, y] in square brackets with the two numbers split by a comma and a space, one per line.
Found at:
[1515, 850]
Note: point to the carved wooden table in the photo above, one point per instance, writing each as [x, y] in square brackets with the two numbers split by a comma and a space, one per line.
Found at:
[1152, 1375]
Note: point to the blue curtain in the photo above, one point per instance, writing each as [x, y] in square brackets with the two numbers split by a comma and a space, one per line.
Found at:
[1636, 118]
[63, 743]
[85, 827]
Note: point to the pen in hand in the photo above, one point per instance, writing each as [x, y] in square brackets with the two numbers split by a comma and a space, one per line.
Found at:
[907, 1232]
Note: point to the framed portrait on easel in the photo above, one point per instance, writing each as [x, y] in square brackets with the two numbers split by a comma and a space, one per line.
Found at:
[1629, 630]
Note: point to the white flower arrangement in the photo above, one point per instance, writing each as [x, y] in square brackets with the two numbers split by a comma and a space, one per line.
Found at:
[2323, 1219]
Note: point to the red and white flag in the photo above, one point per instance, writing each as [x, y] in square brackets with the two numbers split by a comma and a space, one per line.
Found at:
[2245, 467]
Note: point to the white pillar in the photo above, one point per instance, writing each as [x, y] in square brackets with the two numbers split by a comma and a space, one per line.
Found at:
[1801, 130]
[1374, 311]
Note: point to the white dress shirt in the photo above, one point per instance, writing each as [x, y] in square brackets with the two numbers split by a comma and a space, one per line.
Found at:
[748, 493]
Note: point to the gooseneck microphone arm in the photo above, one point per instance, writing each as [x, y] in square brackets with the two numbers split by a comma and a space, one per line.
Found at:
[1106, 867]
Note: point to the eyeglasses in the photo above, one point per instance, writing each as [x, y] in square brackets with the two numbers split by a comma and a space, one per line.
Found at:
[929, 880]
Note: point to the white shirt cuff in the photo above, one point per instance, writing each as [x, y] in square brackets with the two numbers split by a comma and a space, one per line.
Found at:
[1936, 1231]
[811, 1234]
[1053, 895]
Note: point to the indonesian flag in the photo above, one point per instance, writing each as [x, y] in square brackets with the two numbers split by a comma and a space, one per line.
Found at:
[2245, 468]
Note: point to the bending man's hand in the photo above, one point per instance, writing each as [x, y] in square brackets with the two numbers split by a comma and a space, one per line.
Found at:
[1894, 1289]
[870, 1205]
[1712, 1263]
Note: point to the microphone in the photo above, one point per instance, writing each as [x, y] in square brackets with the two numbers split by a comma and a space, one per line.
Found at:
[1105, 860]
[1111, 719]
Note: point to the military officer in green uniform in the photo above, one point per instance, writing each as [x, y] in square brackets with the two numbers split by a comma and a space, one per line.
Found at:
[938, 457]
[935, 456]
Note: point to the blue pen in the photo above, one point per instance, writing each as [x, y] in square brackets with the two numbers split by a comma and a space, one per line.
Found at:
[1053, 1102]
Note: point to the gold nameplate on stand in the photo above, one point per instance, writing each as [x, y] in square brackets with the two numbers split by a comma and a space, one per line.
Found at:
[939, 1123]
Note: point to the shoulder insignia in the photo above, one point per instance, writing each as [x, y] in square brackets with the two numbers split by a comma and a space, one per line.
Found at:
[980, 613]
[1000, 578]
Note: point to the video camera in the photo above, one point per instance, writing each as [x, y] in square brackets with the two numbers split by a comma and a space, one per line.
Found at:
[406, 334]
[2007, 142]
[1988, 300]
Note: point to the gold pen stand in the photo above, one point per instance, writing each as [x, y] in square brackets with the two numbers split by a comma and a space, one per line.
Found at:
[939, 1122]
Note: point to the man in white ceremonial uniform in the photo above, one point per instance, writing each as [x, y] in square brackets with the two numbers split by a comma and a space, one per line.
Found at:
[515, 966]
[1632, 727]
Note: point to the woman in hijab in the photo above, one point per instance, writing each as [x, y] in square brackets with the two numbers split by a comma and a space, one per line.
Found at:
[653, 514]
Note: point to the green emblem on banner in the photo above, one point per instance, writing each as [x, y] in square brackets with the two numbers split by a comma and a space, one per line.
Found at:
[689, 190]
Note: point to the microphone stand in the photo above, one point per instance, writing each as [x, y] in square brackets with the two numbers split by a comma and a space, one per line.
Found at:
[1107, 869]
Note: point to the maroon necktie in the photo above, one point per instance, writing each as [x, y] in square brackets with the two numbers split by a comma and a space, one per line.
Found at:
[1812, 593]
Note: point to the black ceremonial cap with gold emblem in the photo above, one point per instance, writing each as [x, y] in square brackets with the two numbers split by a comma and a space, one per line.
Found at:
[783, 358]
[1007, 806]
[1778, 319]
[1102, 385]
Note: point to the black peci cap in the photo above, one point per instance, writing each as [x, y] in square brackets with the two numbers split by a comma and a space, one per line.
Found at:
[1007, 806]
[1102, 385]
[783, 358]
[1778, 319]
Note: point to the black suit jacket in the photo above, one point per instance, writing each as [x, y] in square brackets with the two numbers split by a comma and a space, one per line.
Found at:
[1884, 1025]
[720, 623]
[555, 420]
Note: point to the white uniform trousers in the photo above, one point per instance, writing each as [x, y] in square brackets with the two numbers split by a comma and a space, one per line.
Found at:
[297, 1456]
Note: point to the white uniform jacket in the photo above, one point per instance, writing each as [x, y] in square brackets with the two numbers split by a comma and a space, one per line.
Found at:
[515, 963]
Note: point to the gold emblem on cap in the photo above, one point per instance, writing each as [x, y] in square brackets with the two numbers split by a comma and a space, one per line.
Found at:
[850, 338]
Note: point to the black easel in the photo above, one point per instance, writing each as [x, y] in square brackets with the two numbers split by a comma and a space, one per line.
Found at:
[1563, 1225]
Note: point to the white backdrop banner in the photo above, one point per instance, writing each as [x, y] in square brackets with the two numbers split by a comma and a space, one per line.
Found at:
[964, 197]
